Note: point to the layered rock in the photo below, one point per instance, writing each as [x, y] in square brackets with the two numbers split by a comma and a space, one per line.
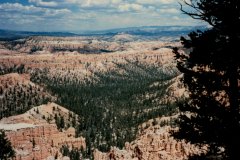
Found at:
[32, 137]
[153, 143]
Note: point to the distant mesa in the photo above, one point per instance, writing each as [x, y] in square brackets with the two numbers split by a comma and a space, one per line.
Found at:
[123, 37]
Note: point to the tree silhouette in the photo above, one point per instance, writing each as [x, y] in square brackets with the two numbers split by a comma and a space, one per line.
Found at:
[6, 150]
[210, 65]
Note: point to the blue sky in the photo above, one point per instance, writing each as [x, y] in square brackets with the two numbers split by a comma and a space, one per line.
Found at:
[78, 15]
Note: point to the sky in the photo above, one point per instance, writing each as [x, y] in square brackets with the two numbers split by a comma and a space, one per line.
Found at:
[83, 15]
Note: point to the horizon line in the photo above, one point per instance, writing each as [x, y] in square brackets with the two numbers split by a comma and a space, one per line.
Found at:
[96, 30]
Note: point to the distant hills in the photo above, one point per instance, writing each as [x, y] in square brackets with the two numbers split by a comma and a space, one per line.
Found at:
[148, 30]
[139, 31]
[10, 35]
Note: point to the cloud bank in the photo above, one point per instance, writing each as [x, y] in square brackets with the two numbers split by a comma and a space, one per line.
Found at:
[76, 15]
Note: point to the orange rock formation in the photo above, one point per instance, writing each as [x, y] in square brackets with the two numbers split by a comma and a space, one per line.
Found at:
[34, 138]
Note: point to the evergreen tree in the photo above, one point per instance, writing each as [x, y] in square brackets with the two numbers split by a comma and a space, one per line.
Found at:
[6, 150]
[210, 66]
[62, 123]
[33, 143]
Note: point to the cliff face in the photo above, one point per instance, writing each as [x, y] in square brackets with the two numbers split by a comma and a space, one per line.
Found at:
[153, 143]
[33, 137]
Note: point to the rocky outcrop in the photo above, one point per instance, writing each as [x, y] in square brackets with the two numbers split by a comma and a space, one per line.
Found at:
[33, 137]
[154, 143]
[40, 142]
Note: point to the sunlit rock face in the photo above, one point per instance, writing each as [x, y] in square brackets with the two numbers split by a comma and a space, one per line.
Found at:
[153, 143]
[35, 137]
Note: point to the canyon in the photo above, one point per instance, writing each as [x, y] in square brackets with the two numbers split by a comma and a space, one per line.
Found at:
[118, 94]
[34, 137]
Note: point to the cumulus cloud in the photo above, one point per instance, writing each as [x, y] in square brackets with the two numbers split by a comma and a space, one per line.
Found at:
[168, 10]
[90, 3]
[16, 7]
[130, 7]
[89, 14]
[71, 1]
[94, 3]
[175, 18]
[156, 2]
[17, 16]
[44, 3]
[10, 7]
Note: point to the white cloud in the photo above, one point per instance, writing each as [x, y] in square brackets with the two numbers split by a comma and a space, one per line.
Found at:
[16, 7]
[44, 3]
[176, 18]
[47, 15]
[168, 10]
[156, 2]
[94, 3]
[90, 3]
[130, 7]
[21, 9]
[167, 1]
[56, 12]
[71, 1]
[116, 1]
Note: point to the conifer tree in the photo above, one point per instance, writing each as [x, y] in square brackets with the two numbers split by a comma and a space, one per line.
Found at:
[210, 65]
[6, 150]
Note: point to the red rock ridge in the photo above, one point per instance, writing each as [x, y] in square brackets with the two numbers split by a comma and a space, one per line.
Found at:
[35, 138]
